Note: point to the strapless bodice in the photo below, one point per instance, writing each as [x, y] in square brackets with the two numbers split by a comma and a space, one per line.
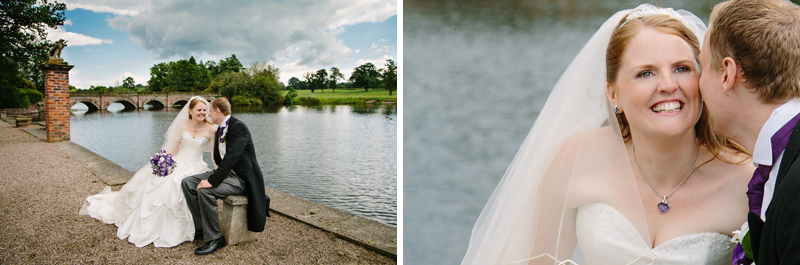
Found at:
[191, 149]
[606, 236]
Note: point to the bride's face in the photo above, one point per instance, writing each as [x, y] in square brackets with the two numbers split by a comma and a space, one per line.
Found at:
[198, 112]
[657, 85]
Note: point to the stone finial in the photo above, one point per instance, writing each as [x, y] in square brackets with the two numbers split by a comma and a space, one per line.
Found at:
[55, 51]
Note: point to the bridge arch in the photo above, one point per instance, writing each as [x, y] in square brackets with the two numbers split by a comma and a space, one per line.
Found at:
[91, 105]
[157, 104]
[128, 105]
[134, 100]
[180, 102]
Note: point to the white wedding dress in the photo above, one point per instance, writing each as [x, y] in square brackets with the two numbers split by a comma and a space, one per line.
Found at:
[607, 237]
[152, 209]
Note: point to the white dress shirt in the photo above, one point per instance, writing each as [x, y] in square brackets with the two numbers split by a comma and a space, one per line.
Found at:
[224, 132]
[762, 152]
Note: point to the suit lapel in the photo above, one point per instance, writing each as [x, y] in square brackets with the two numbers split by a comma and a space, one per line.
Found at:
[789, 155]
[216, 148]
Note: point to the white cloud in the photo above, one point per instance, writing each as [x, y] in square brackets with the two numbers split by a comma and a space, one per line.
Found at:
[379, 63]
[254, 30]
[137, 79]
[382, 49]
[298, 36]
[72, 38]
[117, 7]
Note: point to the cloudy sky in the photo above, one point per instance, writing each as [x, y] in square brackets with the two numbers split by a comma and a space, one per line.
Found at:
[111, 40]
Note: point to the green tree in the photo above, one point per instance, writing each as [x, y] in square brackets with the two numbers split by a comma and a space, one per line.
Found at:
[295, 83]
[321, 79]
[288, 99]
[181, 75]
[11, 86]
[335, 75]
[235, 84]
[213, 70]
[99, 88]
[128, 84]
[266, 84]
[389, 76]
[23, 45]
[230, 64]
[187, 76]
[158, 77]
[204, 78]
[365, 76]
[309, 81]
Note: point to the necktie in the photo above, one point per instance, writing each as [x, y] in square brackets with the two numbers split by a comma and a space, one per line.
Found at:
[755, 189]
[222, 130]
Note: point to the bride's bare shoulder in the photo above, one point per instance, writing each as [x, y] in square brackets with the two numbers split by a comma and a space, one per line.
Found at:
[209, 130]
[594, 139]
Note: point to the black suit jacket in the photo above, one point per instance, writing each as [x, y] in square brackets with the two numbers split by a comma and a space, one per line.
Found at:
[777, 240]
[240, 156]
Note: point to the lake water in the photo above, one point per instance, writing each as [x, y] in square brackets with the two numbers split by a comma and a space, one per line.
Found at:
[340, 156]
[476, 75]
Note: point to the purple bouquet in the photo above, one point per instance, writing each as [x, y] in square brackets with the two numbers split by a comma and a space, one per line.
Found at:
[162, 163]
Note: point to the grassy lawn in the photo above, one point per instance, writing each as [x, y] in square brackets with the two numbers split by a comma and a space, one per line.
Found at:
[342, 96]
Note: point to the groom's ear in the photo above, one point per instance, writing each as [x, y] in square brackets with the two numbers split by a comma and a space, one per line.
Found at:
[731, 74]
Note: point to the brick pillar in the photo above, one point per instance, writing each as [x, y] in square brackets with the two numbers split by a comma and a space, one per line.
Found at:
[56, 100]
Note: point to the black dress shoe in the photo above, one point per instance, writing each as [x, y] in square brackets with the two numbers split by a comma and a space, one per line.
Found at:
[198, 234]
[210, 246]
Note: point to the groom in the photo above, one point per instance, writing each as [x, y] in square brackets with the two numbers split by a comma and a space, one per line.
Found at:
[750, 82]
[237, 173]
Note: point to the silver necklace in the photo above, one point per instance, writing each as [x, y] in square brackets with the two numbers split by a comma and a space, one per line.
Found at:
[663, 206]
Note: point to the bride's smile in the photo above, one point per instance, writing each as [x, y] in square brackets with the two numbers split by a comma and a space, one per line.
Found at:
[657, 84]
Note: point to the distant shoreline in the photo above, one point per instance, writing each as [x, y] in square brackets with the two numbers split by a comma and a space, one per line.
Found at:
[348, 96]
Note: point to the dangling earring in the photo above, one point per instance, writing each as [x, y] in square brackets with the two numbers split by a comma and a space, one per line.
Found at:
[616, 109]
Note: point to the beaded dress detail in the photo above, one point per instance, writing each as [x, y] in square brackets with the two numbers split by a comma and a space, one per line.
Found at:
[607, 237]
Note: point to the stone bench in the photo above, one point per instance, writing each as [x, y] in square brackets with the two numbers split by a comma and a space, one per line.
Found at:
[22, 121]
[233, 220]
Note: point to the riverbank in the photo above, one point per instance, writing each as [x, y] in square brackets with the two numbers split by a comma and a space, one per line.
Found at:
[348, 96]
[44, 187]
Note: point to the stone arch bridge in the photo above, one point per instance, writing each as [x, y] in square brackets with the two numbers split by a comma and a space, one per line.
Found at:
[133, 100]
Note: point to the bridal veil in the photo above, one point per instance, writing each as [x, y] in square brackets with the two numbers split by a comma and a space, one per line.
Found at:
[573, 155]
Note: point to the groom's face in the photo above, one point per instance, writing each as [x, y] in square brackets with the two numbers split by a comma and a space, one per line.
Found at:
[712, 90]
[215, 115]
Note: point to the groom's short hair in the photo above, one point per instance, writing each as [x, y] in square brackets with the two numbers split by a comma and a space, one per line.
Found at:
[222, 105]
[763, 37]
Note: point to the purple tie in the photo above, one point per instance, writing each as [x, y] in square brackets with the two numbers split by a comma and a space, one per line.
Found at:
[755, 189]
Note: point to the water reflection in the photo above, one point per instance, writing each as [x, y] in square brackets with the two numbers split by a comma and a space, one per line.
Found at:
[340, 156]
[476, 75]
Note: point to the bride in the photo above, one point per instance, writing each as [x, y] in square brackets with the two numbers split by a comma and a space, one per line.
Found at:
[621, 166]
[149, 208]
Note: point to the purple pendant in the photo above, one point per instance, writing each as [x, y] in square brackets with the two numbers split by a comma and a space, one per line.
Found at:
[663, 207]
